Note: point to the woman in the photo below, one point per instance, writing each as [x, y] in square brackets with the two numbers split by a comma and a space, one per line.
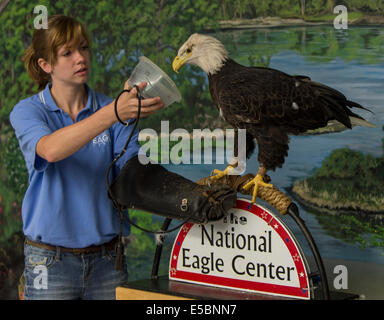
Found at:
[69, 134]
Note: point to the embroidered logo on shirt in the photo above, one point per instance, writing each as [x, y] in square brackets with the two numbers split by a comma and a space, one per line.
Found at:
[101, 139]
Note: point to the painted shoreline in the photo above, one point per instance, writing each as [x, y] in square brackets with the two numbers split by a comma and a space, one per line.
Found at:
[271, 22]
[334, 207]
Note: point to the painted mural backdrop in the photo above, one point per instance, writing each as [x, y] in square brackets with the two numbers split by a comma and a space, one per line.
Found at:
[345, 168]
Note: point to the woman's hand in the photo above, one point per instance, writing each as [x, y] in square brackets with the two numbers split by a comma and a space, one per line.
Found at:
[127, 105]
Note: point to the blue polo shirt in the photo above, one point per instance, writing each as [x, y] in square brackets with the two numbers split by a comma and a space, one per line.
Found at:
[66, 203]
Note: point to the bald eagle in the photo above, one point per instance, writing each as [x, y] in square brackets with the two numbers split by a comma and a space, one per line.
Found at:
[268, 103]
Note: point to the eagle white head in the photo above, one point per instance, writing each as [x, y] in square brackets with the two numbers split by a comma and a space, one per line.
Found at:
[204, 51]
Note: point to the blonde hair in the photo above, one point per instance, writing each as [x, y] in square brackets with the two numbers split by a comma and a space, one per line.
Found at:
[46, 42]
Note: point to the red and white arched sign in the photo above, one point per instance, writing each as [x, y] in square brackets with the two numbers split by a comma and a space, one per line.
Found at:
[249, 250]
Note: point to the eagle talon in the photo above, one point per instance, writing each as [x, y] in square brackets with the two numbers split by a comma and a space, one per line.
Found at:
[255, 183]
[220, 174]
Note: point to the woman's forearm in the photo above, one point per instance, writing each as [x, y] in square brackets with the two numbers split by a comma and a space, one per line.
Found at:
[66, 141]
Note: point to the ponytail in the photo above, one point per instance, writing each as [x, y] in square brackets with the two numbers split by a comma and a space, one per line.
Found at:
[34, 71]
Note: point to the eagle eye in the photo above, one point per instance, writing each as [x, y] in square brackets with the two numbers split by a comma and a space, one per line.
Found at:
[189, 50]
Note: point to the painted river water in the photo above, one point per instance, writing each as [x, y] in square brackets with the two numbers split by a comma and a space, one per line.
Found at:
[351, 61]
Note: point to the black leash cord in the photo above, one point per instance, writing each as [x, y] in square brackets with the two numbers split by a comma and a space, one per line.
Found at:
[135, 122]
[139, 107]
[115, 203]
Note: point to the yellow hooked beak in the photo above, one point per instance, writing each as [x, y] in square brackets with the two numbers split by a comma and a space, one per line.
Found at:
[179, 61]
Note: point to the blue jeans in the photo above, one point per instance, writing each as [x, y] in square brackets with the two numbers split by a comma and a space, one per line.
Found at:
[57, 275]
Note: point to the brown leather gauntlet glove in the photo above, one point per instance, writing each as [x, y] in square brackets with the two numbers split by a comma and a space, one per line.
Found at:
[154, 189]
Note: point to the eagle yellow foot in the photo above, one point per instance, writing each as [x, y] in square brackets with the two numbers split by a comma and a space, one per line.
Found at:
[255, 183]
[220, 174]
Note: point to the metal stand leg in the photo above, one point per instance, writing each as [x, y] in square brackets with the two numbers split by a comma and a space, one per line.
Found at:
[293, 211]
[159, 248]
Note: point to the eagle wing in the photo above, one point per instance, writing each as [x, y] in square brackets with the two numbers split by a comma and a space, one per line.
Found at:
[253, 95]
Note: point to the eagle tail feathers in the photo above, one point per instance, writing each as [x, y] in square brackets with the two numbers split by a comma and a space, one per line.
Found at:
[357, 105]
[337, 110]
[358, 121]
